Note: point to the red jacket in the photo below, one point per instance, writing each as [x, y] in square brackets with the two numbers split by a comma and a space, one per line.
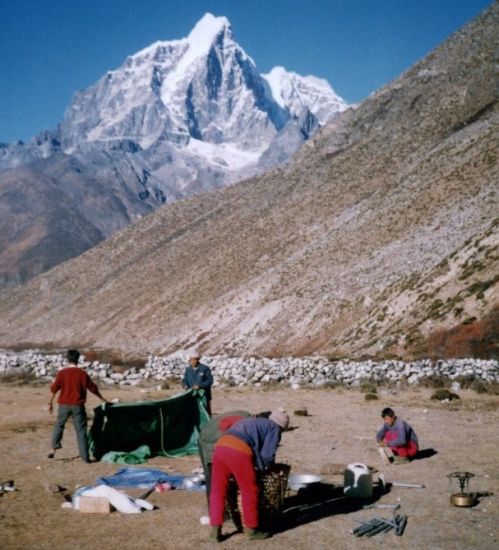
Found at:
[73, 383]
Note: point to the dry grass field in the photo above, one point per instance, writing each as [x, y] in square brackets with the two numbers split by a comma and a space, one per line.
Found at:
[339, 430]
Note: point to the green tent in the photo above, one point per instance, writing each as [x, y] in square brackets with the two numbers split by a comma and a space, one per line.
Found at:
[169, 427]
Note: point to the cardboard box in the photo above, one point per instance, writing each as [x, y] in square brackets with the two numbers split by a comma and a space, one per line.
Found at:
[95, 505]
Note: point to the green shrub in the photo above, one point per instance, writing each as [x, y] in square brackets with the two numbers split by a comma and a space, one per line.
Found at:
[370, 397]
[442, 394]
[366, 387]
[21, 379]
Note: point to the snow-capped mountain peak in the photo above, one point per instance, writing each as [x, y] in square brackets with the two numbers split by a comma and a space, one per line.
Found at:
[297, 92]
[209, 37]
[206, 31]
[175, 101]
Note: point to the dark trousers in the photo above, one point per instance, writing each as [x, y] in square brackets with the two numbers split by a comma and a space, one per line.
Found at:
[79, 415]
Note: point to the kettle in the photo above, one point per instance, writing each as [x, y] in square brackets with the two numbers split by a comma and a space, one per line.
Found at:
[358, 481]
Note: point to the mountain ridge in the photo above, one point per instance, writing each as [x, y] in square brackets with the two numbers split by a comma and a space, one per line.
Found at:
[176, 119]
[378, 233]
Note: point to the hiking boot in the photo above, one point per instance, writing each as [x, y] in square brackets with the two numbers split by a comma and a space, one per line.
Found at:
[255, 534]
[400, 460]
[216, 533]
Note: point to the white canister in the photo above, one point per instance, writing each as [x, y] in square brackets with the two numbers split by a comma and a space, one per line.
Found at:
[358, 481]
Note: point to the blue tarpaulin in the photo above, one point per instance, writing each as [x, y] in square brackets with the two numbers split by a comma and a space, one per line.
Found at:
[145, 478]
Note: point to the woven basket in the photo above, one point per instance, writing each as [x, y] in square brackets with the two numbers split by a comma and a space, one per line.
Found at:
[273, 487]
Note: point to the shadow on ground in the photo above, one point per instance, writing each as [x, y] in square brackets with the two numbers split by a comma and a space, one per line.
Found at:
[317, 502]
[425, 453]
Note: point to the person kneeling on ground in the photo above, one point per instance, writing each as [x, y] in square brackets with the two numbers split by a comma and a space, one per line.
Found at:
[397, 435]
[249, 443]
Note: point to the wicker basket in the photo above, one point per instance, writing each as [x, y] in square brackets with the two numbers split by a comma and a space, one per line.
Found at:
[273, 487]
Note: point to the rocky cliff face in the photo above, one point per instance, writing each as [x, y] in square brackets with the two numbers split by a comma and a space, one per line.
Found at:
[379, 232]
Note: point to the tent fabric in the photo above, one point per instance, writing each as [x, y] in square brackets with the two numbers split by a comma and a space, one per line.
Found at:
[139, 456]
[169, 427]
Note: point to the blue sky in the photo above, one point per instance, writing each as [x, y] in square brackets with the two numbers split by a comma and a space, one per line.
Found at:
[48, 50]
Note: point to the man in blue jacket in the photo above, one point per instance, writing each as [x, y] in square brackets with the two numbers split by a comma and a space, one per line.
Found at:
[198, 376]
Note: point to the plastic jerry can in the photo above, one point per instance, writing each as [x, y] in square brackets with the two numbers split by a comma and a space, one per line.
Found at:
[358, 481]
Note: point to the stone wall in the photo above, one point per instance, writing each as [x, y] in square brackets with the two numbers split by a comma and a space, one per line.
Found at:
[236, 371]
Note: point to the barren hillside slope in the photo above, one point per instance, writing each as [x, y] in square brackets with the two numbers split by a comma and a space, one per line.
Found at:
[379, 232]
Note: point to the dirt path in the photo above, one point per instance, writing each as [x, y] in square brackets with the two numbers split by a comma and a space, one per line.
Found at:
[339, 430]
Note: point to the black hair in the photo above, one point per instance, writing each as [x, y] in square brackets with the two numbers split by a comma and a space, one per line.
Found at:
[263, 414]
[72, 356]
[387, 412]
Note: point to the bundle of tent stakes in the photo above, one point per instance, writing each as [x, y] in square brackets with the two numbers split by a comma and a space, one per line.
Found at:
[380, 525]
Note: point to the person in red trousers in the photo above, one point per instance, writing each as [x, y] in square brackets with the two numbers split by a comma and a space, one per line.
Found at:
[250, 443]
[397, 435]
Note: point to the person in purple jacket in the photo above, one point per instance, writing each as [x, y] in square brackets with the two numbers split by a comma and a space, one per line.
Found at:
[250, 443]
[397, 435]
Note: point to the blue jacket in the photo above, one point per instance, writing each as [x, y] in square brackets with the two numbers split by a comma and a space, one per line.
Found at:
[262, 435]
[200, 376]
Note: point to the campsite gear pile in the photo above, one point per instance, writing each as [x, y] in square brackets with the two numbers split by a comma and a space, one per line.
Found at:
[104, 496]
[93, 500]
[381, 525]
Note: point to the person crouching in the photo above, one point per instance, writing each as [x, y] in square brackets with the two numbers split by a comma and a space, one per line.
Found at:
[250, 443]
[399, 436]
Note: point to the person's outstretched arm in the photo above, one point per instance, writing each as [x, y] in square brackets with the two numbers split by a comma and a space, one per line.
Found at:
[92, 387]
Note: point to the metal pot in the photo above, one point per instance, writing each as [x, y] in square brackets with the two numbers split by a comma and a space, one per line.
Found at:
[301, 481]
[463, 500]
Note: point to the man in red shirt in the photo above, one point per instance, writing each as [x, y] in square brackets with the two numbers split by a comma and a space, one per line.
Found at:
[73, 383]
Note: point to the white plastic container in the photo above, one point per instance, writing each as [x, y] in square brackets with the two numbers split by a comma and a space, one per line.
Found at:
[358, 481]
